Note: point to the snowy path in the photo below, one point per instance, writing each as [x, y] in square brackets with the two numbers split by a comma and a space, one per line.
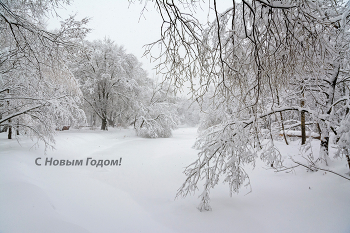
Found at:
[138, 196]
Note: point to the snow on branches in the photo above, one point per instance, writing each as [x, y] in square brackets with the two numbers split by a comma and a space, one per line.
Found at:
[119, 92]
[157, 115]
[270, 64]
[37, 90]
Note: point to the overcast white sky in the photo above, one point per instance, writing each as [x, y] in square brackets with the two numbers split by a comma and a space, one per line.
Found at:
[118, 20]
[121, 22]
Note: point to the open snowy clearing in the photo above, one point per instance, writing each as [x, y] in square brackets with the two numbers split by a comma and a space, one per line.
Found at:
[138, 195]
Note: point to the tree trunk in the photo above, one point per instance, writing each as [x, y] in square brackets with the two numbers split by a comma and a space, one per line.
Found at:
[93, 120]
[284, 133]
[302, 122]
[282, 120]
[324, 154]
[104, 124]
[303, 130]
[348, 158]
[332, 81]
[17, 128]
[9, 135]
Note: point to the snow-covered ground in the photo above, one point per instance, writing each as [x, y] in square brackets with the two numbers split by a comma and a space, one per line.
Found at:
[138, 195]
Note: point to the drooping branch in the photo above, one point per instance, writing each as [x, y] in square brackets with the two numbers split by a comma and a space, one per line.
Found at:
[312, 166]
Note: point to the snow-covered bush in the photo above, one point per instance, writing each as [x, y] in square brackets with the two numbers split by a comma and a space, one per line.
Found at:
[155, 127]
[157, 114]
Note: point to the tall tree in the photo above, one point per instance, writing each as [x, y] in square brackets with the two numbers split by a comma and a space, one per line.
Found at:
[110, 78]
[118, 90]
[256, 54]
[37, 90]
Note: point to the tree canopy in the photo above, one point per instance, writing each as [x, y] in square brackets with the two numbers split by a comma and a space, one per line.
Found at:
[37, 90]
[273, 66]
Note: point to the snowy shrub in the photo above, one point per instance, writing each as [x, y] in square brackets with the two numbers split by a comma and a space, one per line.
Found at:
[158, 127]
[156, 120]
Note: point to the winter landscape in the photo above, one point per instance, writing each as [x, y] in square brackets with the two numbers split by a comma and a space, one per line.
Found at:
[232, 117]
[139, 195]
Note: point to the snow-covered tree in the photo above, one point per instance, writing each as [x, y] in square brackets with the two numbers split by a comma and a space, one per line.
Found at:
[118, 91]
[269, 62]
[157, 114]
[37, 90]
[110, 79]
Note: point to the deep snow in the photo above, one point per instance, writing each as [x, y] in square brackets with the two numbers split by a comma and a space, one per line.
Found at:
[138, 196]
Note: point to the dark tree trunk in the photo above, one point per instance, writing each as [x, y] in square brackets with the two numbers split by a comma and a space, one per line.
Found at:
[303, 131]
[302, 122]
[17, 128]
[348, 158]
[324, 143]
[104, 124]
[9, 135]
[324, 147]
